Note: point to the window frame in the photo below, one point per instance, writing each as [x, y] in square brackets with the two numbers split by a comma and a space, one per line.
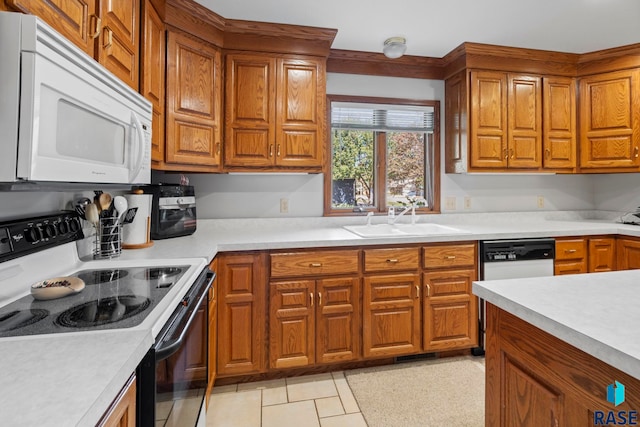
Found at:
[380, 154]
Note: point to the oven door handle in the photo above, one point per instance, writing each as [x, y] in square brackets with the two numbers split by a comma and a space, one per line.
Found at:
[165, 349]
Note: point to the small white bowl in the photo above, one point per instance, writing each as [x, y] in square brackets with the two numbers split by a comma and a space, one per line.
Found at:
[57, 287]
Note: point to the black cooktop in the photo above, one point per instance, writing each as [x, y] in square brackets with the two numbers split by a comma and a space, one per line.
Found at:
[111, 299]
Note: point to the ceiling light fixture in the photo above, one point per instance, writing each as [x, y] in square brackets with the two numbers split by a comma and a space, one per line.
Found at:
[394, 47]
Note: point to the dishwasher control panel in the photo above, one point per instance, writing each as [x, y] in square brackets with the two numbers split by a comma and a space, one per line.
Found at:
[517, 250]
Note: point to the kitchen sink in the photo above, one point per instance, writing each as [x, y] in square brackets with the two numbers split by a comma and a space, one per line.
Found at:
[399, 230]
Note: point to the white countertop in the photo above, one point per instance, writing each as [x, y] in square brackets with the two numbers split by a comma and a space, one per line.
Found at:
[597, 312]
[42, 382]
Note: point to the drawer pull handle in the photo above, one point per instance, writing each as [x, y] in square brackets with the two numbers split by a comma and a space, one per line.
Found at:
[97, 28]
[506, 153]
[278, 151]
[570, 251]
[428, 289]
[392, 261]
[319, 298]
[547, 153]
[311, 298]
[109, 38]
[315, 264]
[417, 291]
[450, 257]
[635, 151]
[217, 148]
[512, 152]
[271, 150]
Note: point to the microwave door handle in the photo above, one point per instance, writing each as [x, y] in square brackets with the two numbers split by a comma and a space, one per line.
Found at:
[140, 147]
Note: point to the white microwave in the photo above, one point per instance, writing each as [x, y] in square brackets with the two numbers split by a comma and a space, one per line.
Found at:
[63, 116]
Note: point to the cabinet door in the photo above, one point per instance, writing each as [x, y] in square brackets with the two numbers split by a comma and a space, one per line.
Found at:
[118, 46]
[488, 145]
[391, 315]
[292, 324]
[250, 110]
[300, 112]
[152, 74]
[338, 320]
[190, 363]
[602, 254]
[571, 256]
[450, 310]
[242, 293]
[193, 101]
[525, 121]
[455, 123]
[610, 120]
[628, 254]
[559, 122]
[74, 19]
[527, 401]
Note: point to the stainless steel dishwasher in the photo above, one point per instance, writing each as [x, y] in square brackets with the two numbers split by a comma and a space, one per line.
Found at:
[512, 259]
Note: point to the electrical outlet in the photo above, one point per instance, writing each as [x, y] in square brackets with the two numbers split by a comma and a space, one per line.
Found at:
[540, 202]
[467, 202]
[284, 205]
[450, 203]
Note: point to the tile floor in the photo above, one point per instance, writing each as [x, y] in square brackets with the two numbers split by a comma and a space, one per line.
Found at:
[323, 400]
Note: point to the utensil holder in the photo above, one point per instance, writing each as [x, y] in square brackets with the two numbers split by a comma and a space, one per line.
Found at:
[108, 243]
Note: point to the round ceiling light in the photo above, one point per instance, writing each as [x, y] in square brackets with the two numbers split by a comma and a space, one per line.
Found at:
[394, 47]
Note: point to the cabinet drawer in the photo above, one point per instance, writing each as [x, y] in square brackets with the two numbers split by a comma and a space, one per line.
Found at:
[314, 263]
[571, 249]
[570, 267]
[458, 255]
[392, 259]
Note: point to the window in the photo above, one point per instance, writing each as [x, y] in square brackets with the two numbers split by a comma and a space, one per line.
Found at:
[384, 152]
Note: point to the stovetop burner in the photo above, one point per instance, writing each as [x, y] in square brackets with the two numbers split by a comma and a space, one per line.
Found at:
[103, 311]
[94, 277]
[21, 318]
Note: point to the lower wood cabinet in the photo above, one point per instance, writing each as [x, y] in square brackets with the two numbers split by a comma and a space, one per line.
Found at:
[122, 412]
[242, 290]
[450, 310]
[628, 253]
[585, 255]
[391, 315]
[535, 379]
[313, 321]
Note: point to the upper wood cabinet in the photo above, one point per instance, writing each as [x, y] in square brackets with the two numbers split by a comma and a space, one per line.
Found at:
[106, 30]
[193, 104]
[506, 121]
[152, 74]
[274, 111]
[610, 121]
[559, 123]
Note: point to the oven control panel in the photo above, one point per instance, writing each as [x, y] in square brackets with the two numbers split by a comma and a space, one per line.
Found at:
[24, 236]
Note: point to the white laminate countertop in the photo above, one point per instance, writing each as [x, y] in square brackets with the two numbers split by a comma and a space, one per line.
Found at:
[597, 312]
[71, 379]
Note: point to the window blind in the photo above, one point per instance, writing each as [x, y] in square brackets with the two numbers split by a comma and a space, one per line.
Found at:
[381, 117]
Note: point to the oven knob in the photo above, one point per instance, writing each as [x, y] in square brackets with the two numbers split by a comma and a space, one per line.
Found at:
[32, 234]
[74, 225]
[49, 231]
[63, 227]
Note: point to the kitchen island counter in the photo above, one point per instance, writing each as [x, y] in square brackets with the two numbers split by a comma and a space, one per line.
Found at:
[562, 348]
